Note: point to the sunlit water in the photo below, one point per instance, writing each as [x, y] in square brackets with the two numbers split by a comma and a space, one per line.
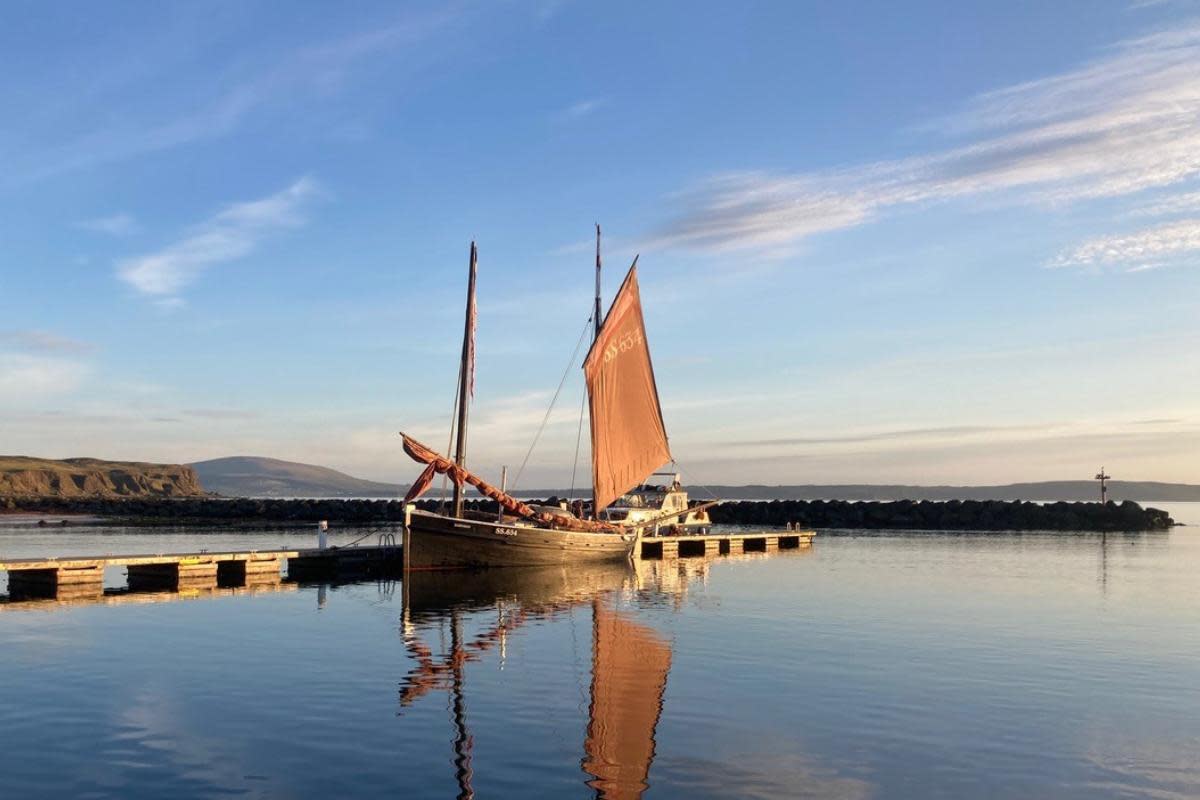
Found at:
[873, 665]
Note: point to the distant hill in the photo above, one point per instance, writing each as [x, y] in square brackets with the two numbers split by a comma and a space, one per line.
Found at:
[251, 476]
[22, 476]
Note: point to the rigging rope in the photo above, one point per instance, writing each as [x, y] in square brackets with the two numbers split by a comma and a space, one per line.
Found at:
[450, 441]
[711, 494]
[553, 400]
[578, 436]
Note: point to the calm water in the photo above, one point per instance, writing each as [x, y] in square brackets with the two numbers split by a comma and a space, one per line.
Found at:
[872, 666]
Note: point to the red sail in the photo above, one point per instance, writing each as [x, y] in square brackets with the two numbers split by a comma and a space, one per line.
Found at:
[629, 441]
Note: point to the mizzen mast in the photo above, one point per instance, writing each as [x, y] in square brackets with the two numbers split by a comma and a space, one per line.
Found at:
[466, 381]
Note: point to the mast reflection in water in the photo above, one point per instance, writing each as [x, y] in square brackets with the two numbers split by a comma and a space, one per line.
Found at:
[630, 661]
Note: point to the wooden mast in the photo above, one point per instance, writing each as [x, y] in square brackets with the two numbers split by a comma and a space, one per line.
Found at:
[465, 381]
[595, 336]
[596, 312]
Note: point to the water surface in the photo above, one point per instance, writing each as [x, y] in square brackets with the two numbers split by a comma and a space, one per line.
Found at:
[871, 666]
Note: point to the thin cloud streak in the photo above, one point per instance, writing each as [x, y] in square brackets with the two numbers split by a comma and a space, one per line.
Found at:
[300, 75]
[1186, 203]
[26, 377]
[1121, 124]
[580, 109]
[948, 432]
[36, 341]
[222, 414]
[231, 234]
[1139, 251]
[116, 225]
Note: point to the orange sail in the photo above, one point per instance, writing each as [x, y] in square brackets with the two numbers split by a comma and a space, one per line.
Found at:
[629, 441]
[630, 663]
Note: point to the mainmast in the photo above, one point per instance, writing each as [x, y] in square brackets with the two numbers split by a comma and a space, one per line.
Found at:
[596, 312]
[595, 336]
[466, 381]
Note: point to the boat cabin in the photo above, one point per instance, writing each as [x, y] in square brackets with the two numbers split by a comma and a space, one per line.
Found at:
[654, 499]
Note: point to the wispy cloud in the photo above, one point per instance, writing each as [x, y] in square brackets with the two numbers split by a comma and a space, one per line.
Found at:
[1118, 125]
[231, 234]
[225, 414]
[950, 432]
[27, 377]
[115, 225]
[36, 341]
[1138, 251]
[545, 9]
[580, 109]
[1185, 203]
[252, 84]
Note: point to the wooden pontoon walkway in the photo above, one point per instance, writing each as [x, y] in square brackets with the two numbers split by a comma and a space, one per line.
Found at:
[83, 576]
[711, 544]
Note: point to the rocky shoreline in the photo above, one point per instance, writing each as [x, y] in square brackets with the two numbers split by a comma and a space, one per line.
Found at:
[954, 515]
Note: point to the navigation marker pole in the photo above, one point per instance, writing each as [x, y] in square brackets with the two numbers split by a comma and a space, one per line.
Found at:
[1100, 476]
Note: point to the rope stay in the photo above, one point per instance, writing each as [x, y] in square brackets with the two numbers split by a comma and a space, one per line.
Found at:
[687, 479]
[553, 400]
[578, 436]
[450, 441]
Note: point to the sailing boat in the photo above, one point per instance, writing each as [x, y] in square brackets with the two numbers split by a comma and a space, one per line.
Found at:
[629, 442]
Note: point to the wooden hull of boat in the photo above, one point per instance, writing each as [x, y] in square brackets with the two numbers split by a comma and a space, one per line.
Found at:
[439, 542]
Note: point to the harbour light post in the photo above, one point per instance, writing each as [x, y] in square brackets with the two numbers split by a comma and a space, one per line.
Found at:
[1100, 476]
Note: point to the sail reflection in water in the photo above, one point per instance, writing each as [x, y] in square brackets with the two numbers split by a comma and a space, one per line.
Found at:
[630, 663]
[630, 660]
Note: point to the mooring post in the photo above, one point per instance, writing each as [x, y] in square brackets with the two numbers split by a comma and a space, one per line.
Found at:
[322, 535]
[503, 488]
[406, 538]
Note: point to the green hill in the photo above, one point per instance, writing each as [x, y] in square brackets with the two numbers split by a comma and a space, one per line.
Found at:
[22, 476]
[252, 476]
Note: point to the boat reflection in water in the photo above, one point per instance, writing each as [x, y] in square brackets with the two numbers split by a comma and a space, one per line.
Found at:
[630, 660]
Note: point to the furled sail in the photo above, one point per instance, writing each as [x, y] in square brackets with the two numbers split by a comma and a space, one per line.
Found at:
[440, 465]
[629, 441]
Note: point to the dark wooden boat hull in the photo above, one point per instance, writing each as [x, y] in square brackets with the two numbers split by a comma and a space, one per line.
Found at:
[440, 542]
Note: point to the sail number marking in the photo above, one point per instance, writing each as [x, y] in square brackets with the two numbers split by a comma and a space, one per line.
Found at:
[622, 343]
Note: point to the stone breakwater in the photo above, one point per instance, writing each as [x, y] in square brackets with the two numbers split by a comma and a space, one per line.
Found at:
[951, 515]
[968, 515]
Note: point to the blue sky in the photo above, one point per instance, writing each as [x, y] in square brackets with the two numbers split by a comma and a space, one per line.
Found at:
[880, 242]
